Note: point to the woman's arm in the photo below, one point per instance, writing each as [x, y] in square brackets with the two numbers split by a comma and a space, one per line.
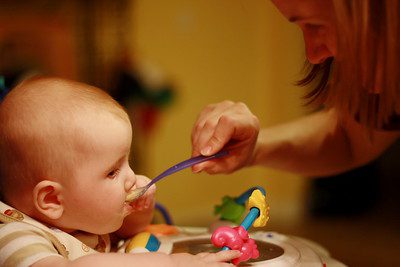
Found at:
[315, 145]
[320, 144]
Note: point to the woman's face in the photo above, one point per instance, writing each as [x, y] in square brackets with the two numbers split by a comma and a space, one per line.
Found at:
[316, 19]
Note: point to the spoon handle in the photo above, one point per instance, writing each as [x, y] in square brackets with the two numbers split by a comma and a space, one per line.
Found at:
[138, 192]
[187, 163]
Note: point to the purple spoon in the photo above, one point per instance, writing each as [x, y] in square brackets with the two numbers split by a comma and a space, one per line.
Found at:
[138, 192]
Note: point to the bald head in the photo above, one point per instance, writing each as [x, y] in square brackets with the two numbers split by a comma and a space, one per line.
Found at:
[43, 123]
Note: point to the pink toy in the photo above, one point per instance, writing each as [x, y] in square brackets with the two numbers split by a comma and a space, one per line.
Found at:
[248, 251]
[230, 237]
[236, 238]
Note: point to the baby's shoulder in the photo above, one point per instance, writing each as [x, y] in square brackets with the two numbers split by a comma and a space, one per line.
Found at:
[19, 229]
[24, 243]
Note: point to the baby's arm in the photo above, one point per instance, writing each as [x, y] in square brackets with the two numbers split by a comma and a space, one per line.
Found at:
[142, 215]
[144, 260]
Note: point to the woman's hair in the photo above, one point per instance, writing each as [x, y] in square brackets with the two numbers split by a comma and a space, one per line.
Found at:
[364, 80]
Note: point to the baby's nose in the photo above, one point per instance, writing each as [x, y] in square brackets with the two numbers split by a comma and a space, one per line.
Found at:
[128, 185]
[130, 181]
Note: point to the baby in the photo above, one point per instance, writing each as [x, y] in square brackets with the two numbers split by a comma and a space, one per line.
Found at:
[64, 178]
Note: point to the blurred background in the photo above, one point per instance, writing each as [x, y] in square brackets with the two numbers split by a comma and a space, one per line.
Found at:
[165, 61]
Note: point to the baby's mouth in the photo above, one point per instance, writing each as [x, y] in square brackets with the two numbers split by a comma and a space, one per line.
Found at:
[128, 207]
[135, 194]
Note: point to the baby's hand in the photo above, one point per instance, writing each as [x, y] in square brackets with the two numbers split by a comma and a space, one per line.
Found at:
[205, 259]
[147, 200]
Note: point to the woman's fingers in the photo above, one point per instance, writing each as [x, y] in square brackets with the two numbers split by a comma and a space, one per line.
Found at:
[226, 124]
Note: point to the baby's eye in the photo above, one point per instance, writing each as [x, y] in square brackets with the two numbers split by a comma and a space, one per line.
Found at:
[112, 174]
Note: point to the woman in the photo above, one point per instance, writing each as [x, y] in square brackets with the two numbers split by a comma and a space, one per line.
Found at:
[353, 48]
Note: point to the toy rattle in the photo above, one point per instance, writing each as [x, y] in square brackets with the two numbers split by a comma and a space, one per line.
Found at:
[237, 238]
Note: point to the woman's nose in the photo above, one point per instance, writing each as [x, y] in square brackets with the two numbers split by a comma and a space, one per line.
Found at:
[317, 48]
[317, 54]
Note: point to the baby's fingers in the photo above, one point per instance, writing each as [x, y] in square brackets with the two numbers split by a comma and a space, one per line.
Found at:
[221, 256]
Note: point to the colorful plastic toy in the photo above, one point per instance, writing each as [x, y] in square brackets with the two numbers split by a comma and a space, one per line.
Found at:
[237, 238]
[142, 242]
[232, 209]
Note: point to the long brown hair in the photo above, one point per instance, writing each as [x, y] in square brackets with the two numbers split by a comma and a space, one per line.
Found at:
[364, 81]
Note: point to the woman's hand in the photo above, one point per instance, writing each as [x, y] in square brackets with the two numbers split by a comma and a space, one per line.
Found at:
[226, 125]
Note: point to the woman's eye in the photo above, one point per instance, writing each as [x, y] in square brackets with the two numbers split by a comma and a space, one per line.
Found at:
[313, 27]
[112, 174]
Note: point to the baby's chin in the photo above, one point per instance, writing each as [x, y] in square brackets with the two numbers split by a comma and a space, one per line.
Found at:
[104, 231]
[104, 228]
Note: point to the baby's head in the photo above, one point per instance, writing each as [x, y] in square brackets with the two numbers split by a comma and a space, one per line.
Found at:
[58, 138]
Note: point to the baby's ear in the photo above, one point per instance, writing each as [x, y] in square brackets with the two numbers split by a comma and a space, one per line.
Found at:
[46, 197]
